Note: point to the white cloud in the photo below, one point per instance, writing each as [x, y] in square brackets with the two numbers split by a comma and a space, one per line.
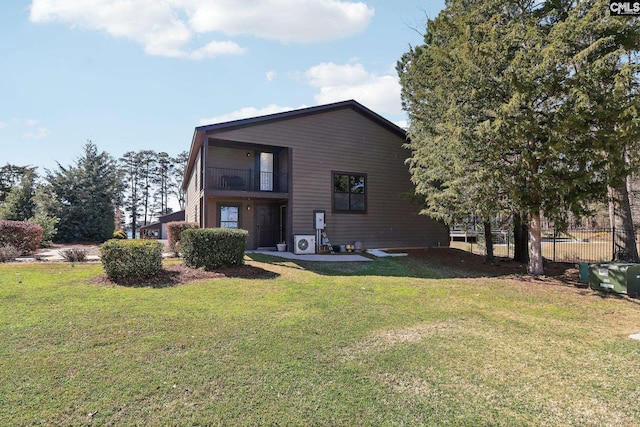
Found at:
[335, 83]
[271, 75]
[167, 28]
[25, 122]
[214, 49]
[39, 133]
[404, 124]
[284, 20]
[247, 112]
[2, 125]
[330, 74]
[353, 81]
[156, 25]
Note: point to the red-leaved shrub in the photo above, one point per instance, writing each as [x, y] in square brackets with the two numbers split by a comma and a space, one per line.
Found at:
[24, 236]
[174, 229]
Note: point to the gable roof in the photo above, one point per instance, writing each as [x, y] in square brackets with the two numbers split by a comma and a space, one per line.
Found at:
[302, 112]
[201, 131]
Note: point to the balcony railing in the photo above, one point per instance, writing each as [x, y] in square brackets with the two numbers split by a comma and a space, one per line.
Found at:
[245, 180]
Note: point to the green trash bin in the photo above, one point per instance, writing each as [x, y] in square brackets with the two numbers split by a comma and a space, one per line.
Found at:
[618, 277]
[583, 268]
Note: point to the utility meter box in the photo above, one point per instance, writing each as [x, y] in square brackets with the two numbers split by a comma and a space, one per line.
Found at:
[622, 278]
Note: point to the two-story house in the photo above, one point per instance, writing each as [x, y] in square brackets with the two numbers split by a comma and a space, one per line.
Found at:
[270, 174]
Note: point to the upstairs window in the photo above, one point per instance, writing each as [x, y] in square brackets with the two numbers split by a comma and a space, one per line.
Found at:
[349, 192]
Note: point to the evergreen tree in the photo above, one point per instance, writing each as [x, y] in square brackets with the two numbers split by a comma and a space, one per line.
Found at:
[19, 204]
[10, 176]
[177, 175]
[161, 180]
[44, 201]
[147, 170]
[601, 54]
[130, 171]
[149, 181]
[85, 196]
[492, 104]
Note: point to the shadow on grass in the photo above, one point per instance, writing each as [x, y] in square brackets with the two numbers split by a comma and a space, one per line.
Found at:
[432, 263]
[177, 274]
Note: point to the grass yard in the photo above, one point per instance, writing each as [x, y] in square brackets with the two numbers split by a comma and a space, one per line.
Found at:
[400, 341]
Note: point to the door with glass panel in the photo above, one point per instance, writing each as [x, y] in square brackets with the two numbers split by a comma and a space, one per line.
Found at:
[266, 171]
[267, 225]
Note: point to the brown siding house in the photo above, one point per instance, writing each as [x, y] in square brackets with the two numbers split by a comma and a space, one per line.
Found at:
[269, 174]
[158, 229]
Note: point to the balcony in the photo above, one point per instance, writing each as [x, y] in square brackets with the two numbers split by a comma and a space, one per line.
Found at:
[246, 180]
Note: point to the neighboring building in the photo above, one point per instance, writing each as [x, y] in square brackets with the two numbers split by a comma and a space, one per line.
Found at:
[158, 229]
[269, 174]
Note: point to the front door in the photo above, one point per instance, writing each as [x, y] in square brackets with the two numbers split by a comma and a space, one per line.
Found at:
[266, 171]
[268, 225]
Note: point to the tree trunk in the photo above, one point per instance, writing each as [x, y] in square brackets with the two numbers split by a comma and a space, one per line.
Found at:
[612, 209]
[535, 245]
[520, 238]
[624, 239]
[488, 242]
[134, 209]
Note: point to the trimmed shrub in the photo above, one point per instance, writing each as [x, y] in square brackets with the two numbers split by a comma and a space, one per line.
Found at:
[213, 247]
[119, 234]
[131, 259]
[74, 255]
[24, 236]
[175, 229]
[8, 253]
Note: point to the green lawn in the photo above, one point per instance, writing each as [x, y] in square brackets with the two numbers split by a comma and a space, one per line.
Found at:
[389, 342]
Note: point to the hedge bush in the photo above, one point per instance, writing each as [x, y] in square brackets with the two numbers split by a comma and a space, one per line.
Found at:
[8, 253]
[74, 255]
[213, 247]
[119, 234]
[131, 259]
[24, 236]
[175, 229]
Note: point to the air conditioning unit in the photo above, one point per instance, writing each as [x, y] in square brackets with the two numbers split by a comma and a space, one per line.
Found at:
[304, 244]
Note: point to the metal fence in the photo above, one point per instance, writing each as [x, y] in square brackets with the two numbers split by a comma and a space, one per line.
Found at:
[573, 245]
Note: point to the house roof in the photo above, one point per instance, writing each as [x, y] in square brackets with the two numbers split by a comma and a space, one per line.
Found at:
[201, 131]
[172, 216]
[162, 219]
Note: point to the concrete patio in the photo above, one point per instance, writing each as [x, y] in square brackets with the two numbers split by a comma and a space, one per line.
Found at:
[315, 257]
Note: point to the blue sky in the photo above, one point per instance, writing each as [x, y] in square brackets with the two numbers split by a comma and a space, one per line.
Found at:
[141, 74]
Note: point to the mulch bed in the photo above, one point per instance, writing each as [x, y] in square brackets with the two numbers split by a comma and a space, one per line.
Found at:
[456, 258]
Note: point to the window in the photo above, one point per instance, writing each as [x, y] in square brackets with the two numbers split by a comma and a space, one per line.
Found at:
[229, 216]
[349, 192]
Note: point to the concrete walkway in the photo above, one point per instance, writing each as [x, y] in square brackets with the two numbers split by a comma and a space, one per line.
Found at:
[380, 253]
[93, 253]
[55, 255]
[325, 258]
